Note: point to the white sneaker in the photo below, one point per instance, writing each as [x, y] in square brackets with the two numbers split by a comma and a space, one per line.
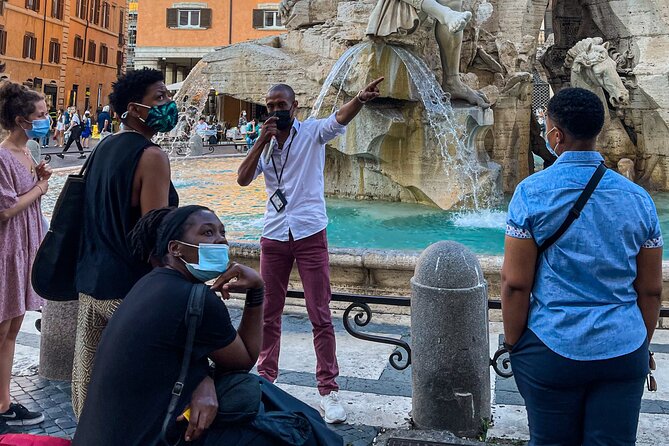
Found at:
[334, 411]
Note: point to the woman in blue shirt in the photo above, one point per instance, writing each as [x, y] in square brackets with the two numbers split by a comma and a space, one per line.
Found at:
[578, 318]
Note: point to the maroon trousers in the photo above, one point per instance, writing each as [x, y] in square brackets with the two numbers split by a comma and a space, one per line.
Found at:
[276, 263]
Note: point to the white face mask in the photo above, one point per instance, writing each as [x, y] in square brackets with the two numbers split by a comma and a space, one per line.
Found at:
[548, 145]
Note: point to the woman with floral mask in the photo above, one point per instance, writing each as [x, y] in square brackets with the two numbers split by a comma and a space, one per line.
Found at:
[142, 348]
[128, 176]
[24, 114]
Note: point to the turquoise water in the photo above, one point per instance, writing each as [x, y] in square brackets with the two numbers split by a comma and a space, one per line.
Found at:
[357, 224]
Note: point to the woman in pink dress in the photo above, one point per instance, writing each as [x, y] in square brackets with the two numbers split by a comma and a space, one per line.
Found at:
[23, 113]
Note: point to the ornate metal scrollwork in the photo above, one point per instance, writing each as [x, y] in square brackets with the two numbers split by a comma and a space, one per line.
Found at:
[501, 363]
[361, 319]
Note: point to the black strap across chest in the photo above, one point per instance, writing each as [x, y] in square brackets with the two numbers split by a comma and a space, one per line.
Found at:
[576, 209]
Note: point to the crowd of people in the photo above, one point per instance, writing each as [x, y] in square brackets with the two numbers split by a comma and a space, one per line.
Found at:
[144, 257]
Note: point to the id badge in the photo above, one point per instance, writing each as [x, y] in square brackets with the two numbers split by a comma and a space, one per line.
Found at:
[278, 200]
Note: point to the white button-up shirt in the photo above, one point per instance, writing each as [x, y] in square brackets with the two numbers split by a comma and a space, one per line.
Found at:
[302, 182]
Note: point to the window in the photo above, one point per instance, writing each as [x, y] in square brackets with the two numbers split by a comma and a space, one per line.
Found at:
[189, 18]
[29, 46]
[92, 51]
[94, 15]
[2, 7]
[104, 52]
[78, 47]
[32, 4]
[3, 40]
[81, 9]
[54, 51]
[267, 19]
[105, 15]
[57, 8]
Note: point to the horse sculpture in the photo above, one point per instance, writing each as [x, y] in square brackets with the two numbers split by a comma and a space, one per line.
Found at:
[592, 68]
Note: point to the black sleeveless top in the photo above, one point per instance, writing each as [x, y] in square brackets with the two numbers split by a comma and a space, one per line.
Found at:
[105, 269]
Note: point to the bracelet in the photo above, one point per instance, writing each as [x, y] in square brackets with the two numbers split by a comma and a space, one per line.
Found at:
[360, 100]
[40, 188]
[254, 297]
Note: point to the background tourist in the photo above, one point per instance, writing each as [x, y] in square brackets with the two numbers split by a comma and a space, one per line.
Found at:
[60, 128]
[104, 123]
[242, 120]
[88, 130]
[23, 113]
[294, 230]
[128, 177]
[252, 133]
[580, 316]
[75, 129]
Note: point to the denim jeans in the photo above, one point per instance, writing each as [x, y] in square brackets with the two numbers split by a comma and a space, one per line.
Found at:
[571, 403]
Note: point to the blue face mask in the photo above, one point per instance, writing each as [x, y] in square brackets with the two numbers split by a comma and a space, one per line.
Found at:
[40, 128]
[213, 260]
[548, 145]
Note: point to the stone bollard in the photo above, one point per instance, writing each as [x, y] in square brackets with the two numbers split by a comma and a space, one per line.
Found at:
[449, 333]
[59, 330]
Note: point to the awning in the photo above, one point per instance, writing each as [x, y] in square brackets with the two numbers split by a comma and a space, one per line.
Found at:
[175, 87]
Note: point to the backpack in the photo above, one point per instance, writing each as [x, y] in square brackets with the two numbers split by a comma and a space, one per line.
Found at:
[32, 440]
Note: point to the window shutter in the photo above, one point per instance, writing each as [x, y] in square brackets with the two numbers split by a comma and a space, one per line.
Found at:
[205, 18]
[25, 46]
[33, 48]
[172, 18]
[258, 18]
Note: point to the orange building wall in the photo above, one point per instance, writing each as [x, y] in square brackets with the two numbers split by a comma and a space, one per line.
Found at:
[152, 30]
[17, 20]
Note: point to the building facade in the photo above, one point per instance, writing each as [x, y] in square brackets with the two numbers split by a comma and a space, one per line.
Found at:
[173, 36]
[132, 34]
[70, 50]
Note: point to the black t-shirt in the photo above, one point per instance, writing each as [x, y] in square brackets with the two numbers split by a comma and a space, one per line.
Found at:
[139, 359]
[105, 267]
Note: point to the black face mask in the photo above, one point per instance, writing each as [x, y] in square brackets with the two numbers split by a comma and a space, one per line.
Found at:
[285, 121]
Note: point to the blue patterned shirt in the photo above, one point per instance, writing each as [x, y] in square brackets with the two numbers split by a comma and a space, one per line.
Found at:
[583, 303]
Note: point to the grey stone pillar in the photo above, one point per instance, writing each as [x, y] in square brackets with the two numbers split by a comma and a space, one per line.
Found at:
[59, 329]
[449, 332]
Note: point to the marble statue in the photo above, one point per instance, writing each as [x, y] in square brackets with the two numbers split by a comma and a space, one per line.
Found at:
[404, 16]
[592, 68]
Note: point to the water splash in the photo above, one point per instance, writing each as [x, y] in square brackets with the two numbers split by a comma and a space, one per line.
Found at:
[483, 219]
[191, 100]
[339, 73]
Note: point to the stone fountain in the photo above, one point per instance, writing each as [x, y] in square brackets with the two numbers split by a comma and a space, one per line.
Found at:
[431, 138]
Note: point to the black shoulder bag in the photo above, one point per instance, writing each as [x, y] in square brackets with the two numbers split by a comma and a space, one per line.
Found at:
[193, 320]
[575, 210]
[55, 266]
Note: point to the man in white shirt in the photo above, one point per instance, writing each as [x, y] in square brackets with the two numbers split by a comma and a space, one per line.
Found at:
[294, 230]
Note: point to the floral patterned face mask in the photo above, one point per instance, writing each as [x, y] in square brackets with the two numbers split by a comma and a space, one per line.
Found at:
[162, 118]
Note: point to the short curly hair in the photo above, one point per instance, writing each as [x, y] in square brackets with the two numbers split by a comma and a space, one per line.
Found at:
[16, 100]
[132, 87]
[578, 112]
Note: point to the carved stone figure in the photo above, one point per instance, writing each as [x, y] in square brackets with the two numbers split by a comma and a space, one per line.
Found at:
[593, 69]
[404, 16]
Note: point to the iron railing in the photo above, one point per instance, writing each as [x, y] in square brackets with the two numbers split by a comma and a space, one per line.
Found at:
[359, 314]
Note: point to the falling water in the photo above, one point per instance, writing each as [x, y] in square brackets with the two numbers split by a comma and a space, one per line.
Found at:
[464, 161]
[191, 99]
[460, 159]
[339, 73]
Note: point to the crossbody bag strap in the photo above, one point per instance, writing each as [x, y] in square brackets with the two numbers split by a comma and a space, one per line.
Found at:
[576, 209]
[193, 319]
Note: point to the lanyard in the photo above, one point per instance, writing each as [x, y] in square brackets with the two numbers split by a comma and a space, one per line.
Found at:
[279, 177]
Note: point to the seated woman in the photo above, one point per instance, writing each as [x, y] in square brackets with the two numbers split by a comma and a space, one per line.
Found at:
[141, 351]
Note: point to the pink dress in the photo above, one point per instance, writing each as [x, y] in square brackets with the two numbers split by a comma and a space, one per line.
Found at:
[20, 238]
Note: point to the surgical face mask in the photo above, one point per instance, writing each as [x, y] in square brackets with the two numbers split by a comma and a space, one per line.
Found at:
[285, 120]
[548, 145]
[39, 129]
[213, 260]
[162, 118]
